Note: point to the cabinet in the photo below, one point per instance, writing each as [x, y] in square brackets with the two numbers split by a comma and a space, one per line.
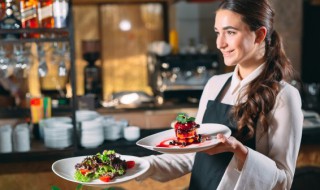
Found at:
[38, 151]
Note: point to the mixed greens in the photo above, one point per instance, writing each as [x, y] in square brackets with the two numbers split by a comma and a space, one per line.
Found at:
[103, 166]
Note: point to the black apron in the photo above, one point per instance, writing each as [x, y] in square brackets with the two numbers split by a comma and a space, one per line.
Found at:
[208, 170]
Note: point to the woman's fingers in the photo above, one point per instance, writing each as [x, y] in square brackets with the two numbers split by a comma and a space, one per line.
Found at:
[225, 145]
[221, 138]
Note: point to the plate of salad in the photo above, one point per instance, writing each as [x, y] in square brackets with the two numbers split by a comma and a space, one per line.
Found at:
[101, 170]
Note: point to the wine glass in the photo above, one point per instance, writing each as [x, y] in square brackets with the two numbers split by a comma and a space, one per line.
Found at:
[21, 58]
[60, 56]
[42, 68]
[4, 63]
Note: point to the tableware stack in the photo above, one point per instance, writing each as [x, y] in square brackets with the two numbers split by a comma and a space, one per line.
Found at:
[58, 134]
[91, 132]
[5, 139]
[113, 130]
[21, 138]
[131, 133]
[48, 121]
[86, 115]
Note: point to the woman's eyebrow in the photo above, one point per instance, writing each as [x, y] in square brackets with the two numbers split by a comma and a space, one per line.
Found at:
[227, 28]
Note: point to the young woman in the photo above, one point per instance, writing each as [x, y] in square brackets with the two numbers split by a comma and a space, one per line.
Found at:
[255, 102]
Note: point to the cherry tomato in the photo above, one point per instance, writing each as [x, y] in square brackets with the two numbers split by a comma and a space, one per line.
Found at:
[105, 178]
[130, 164]
[84, 171]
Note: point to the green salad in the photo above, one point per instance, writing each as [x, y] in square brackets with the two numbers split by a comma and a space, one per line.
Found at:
[104, 166]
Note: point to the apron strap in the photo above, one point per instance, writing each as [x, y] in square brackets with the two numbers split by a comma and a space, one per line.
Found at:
[219, 96]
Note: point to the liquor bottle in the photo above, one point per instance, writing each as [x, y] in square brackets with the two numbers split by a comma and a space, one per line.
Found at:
[2, 8]
[60, 13]
[10, 21]
[29, 18]
[45, 14]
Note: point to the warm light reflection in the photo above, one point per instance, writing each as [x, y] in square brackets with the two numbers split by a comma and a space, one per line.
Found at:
[129, 98]
[125, 25]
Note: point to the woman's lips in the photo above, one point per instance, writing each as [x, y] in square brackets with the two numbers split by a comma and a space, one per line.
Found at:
[227, 53]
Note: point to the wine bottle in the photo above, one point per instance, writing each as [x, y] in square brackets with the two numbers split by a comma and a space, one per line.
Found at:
[60, 13]
[29, 18]
[10, 21]
[45, 14]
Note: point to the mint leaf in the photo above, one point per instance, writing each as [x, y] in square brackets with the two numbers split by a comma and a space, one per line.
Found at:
[191, 119]
[184, 118]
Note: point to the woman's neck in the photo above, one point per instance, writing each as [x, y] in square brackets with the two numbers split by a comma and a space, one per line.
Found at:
[245, 69]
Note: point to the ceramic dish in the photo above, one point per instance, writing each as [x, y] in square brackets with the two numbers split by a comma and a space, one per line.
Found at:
[65, 169]
[211, 130]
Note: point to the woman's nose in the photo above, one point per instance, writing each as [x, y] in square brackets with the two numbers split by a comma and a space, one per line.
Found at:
[221, 43]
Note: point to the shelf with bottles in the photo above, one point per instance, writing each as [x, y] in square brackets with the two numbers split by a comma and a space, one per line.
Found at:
[47, 43]
[34, 21]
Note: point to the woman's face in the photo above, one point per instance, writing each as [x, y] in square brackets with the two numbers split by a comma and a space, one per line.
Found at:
[234, 39]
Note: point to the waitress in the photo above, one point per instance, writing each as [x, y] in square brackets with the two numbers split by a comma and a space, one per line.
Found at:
[255, 101]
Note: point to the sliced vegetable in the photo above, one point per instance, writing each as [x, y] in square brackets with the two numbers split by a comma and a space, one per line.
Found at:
[105, 178]
[130, 164]
[84, 171]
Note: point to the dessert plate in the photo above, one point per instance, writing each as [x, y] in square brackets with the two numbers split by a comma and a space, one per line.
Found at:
[65, 168]
[210, 130]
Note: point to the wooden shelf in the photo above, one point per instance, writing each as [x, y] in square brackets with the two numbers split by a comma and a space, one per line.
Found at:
[60, 34]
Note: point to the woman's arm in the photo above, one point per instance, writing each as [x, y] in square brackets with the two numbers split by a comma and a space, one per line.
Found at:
[167, 167]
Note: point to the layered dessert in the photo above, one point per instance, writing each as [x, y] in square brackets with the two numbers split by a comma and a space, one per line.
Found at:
[185, 130]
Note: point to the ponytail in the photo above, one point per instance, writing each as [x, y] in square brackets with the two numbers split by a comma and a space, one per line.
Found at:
[276, 56]
[261, 93]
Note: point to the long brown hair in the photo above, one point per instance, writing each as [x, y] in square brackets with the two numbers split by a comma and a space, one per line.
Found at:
[261, 93]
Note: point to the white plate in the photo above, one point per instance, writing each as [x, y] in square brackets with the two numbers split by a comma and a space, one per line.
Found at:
[211, 130]
[65, 169]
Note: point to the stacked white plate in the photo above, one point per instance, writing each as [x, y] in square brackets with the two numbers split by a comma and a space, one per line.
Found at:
[91, 132]
[21, 138]
[113, 130]
[5, 138]
[48, 121]
[86, 115]
[57, 134]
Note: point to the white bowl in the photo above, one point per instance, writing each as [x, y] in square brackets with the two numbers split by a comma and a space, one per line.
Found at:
[131, 133]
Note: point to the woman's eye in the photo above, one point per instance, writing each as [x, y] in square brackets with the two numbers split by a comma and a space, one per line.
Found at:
[231, 32]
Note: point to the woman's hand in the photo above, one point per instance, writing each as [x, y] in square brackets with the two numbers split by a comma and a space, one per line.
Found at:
[230, 144]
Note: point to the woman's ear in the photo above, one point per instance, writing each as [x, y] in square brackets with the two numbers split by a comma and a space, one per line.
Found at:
[261, 34]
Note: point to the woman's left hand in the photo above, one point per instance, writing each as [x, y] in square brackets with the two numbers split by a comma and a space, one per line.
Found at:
[230, 144]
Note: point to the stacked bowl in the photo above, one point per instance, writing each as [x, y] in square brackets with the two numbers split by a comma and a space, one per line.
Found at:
[113, 129]
[90, 128]
[21, 138]
[5, 139]
[57, 132]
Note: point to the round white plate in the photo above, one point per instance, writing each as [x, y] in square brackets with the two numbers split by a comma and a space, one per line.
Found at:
[210, 129]
[65, 169]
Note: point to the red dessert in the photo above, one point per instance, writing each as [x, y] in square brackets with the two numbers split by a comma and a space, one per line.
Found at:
[186, 130]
